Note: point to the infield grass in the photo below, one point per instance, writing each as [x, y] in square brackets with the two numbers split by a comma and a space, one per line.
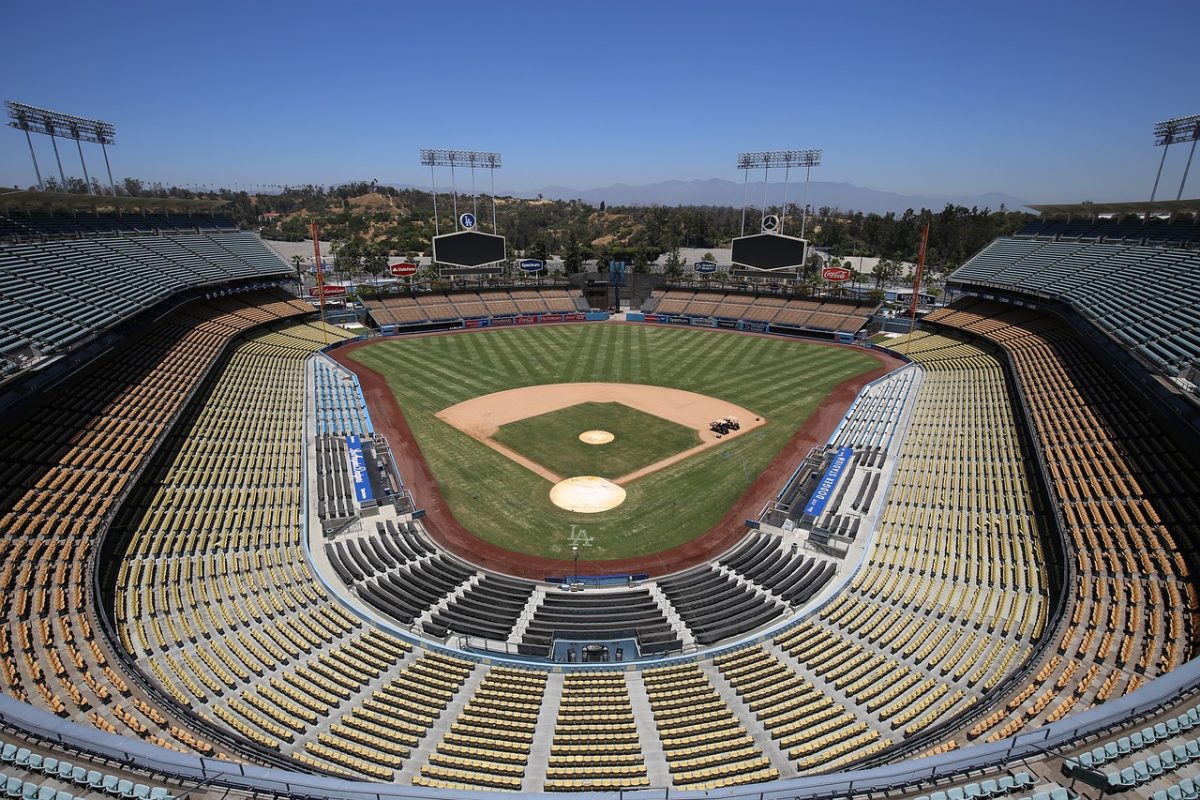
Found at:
[552, 439]
[506, 504]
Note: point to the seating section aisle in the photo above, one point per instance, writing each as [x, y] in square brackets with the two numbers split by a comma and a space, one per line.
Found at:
[63, 472]
[488, 745]
[61, 291]
[816, 315]
[425, 308]
[1128, 499]
[596, 745]
[1146, 297]
[705, 744]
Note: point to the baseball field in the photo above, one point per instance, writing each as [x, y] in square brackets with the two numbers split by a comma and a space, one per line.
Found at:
[496, 473]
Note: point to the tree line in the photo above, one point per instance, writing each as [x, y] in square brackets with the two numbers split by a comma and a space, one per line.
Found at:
[369, 220]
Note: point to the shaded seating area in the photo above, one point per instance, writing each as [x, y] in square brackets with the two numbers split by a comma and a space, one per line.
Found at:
[23, 224]
[62, 291]
[1144, 296]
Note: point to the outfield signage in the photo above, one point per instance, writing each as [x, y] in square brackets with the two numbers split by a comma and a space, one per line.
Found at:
[829, 481]
[704, 267]
[327, 291]
[532, 265]
[358, 470]
[404, 270]
[835, 274]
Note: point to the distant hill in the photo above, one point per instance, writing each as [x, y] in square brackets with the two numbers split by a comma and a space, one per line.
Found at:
[720, 192]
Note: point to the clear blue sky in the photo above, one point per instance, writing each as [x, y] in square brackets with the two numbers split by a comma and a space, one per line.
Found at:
[1048, 101]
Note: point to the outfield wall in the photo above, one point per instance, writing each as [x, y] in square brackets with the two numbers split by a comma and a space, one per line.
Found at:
[475, 323]
[728, 323]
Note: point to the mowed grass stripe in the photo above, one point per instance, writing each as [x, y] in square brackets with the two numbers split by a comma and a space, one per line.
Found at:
[508, 505]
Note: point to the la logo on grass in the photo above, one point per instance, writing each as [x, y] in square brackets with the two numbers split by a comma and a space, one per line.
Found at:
[579, 537]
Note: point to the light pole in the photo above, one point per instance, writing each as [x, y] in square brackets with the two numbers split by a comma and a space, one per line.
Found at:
[1176, 131]
[575, 558]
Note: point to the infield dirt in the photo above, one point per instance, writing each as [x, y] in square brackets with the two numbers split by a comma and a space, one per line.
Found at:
[481, 417]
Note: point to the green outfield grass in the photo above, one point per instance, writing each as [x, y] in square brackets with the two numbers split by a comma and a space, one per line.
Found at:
[552, 439]
[504, 503]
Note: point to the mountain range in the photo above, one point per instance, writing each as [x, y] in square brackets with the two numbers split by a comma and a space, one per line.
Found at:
[720, 192]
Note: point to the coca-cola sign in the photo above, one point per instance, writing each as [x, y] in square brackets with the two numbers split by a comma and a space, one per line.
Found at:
[835, 274]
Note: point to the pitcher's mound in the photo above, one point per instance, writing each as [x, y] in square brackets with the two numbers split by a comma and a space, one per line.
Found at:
[587, 494]
[596, 437]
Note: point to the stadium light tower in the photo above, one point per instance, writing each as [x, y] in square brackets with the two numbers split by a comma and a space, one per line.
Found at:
[54, 124]
[461, 158]
[787, 159]
[1173, 131]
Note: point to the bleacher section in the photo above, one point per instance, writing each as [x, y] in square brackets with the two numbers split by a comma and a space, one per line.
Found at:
[596, 743]
[1128, 500]
[950, 597]
[418, 309]
[1148, 298]
[65, 470]
[706, 746]
[60, 291]
[826, 316]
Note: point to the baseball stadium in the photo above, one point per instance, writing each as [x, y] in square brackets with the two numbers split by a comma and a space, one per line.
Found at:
[734, 542]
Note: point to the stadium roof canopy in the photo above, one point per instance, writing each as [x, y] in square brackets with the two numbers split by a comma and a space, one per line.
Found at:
[1091, 209]
[32, 198]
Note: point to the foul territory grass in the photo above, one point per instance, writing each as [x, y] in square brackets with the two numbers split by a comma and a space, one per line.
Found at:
[506, 504]
[640, 439]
